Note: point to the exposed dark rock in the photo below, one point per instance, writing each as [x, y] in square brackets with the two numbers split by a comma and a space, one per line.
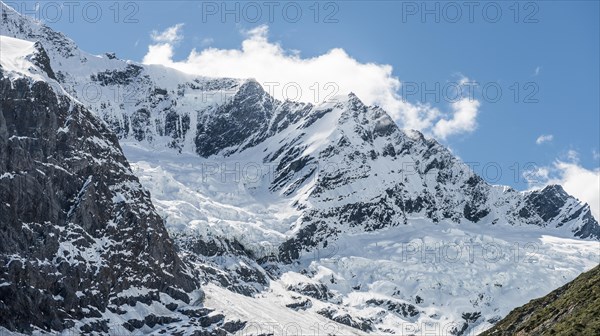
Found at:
[300, 305]
[41, 59]
[112, 77]
[77, 227]
[547, 205]
[233, 326]
[346, 319]
[403, 309]
[317, 291]
[235, 122]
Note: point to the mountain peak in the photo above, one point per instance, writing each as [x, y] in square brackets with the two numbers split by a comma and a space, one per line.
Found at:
[355, 101]
[16, 25]
[556, 188]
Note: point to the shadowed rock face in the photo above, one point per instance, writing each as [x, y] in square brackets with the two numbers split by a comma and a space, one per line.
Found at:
[80, 230]
[548, 203]
[223, 117]
[76, 227]
[233, 123]
[434, 184]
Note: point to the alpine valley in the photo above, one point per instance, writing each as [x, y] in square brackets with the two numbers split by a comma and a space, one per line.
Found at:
[136, 199]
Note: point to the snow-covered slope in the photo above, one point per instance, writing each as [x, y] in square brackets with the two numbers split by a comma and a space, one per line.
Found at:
[328, 210]
[82, 249]
[381, 246]
[153, 104]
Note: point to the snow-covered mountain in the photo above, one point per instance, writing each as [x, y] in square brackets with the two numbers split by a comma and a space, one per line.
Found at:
[82, 248]
[324, 215]
[80, 238]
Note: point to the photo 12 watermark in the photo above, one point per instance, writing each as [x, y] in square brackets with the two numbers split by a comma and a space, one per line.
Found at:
[455, 91]
[270, 11]
[470, 12]
[79, 11]
[426, 328]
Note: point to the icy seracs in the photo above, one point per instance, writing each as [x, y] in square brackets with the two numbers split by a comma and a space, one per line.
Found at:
[326, 216]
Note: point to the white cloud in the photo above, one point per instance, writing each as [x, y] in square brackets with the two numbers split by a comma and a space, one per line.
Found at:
[282, 71]
[162, 51]
[463, 119]
[581, 183]
[544, 138]
[170, 35]
[159, 54]
[537, 70]
[578, 181]
[595, 154]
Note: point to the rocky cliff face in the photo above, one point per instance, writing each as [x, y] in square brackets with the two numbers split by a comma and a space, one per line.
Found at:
[382, 175]
[401, 172]
[312, 213]
[367, 174]
[80, 237]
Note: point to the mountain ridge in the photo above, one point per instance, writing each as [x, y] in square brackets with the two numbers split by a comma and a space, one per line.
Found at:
[343, 203]
[241, 117]
[81, 243]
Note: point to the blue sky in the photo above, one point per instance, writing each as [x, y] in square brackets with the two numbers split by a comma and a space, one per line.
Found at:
[548, 52]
